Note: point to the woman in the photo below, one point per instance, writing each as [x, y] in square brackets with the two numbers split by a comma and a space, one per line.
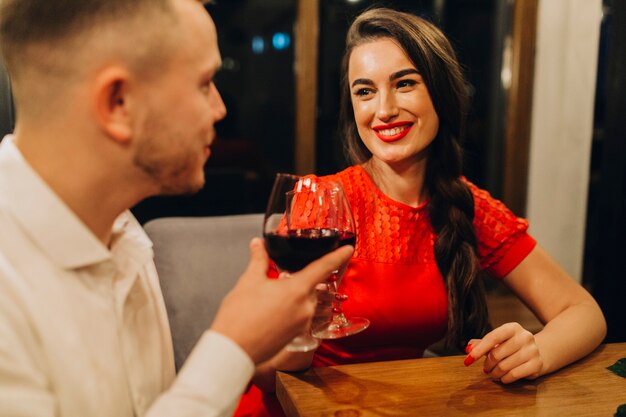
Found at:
[424, 232]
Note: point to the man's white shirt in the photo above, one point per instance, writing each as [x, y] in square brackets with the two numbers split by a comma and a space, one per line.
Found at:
[83, 327]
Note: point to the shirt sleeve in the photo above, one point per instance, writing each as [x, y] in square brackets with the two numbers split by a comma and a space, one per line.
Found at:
[210, 383]
[503, 239]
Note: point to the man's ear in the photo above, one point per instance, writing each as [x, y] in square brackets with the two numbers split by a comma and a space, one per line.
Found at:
[113, 106]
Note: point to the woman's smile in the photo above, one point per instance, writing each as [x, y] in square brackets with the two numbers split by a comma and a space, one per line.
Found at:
[394, 114]
[392, 132]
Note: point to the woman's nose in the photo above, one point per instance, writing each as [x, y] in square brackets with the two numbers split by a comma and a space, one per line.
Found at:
[387, 106]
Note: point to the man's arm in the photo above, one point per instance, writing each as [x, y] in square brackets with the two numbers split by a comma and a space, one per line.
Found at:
[256, 320]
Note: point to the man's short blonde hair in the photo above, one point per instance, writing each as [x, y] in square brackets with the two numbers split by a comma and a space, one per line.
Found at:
[28, 23]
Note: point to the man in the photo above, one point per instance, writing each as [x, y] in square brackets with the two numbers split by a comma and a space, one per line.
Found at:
[115, 102]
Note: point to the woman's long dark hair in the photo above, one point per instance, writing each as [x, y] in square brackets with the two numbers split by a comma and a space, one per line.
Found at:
[451, 206]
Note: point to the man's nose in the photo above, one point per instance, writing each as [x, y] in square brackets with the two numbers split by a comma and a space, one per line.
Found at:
[218, 108]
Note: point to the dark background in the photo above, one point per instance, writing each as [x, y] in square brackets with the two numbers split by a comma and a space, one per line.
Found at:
[256, 139]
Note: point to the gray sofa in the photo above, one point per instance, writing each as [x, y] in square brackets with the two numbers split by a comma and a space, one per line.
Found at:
[199, 259]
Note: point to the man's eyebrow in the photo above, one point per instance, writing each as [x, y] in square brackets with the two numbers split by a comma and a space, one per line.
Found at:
[402, 73]
[362, 81]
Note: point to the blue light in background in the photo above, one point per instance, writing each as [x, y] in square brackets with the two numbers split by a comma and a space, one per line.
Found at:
[281, 40]
[258, 45]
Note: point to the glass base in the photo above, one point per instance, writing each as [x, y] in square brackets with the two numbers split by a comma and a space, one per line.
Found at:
[303, 343]
[341, 327]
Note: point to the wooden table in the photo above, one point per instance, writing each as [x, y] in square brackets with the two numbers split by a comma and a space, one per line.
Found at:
[445, 387]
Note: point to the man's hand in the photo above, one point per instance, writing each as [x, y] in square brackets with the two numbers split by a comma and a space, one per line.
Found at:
[262, 315]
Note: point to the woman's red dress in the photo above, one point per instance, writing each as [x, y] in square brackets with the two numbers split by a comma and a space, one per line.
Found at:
[393, 280]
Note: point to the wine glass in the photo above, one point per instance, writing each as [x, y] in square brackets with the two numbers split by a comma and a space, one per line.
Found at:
[299, 227]
[340, 325]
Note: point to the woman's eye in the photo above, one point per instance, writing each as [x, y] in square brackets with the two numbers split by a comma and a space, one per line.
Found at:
[406, 83]
[362, 92]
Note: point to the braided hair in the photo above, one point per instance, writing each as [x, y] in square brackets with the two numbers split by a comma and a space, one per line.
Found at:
[451, 206]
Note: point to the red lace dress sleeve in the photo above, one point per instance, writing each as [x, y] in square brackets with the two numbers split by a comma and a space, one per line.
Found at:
[503, 239]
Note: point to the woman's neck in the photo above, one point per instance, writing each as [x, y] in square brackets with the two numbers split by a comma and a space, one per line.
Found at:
[401, 182]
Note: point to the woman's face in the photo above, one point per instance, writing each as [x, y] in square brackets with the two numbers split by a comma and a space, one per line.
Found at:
[394, 114]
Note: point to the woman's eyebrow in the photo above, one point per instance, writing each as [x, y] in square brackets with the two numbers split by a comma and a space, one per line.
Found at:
[402, 73]
[362, 81]
[394, 76]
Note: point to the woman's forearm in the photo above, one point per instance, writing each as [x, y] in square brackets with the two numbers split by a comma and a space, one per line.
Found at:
[571, 335]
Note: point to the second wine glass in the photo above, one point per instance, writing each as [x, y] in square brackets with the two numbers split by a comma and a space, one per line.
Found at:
[299, 228]
[339, 325]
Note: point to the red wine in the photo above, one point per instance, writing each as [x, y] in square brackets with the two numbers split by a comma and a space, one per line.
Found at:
[298, 248]
[347, 238]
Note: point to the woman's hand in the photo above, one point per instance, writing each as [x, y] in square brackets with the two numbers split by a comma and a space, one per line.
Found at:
[265, 375]
[510, 352]
[324, 308]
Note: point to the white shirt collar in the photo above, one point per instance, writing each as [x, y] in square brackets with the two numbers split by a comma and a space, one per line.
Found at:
[52, 225]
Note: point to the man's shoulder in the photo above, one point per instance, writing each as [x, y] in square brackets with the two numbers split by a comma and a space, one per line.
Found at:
[13, 288]
[10, 231]
[18, 252]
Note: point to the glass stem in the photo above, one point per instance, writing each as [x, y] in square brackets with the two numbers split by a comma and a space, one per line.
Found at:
[338, 318]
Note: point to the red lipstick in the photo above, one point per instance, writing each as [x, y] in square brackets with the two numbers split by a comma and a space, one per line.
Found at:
[401, 130]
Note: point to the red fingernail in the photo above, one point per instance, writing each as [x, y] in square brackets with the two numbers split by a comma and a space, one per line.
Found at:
[468, 348]
[469, 360]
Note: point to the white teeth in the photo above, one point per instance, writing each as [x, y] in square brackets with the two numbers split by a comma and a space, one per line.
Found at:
[393, 131]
